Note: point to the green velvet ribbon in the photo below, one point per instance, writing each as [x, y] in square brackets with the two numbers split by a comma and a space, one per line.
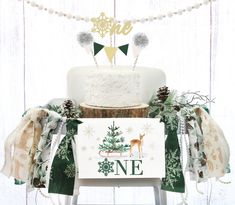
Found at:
[174, 180]
[63, 170]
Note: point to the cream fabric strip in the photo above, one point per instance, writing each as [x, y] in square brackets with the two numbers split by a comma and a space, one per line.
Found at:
[23, 140]
[216, 147]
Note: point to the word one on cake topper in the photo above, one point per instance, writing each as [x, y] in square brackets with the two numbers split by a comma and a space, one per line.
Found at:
[104, 25]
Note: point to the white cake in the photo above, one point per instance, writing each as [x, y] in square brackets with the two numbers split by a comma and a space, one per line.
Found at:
[113, 87]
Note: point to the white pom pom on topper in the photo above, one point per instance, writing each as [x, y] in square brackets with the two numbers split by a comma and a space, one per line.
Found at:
[85, 39]
[140, 41]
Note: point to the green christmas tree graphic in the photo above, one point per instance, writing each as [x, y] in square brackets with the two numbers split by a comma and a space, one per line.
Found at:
[114, 142]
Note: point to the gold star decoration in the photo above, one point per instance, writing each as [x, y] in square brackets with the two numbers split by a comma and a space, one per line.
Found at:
[102, 24]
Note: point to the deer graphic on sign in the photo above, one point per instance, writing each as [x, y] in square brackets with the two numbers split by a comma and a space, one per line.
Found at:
[139, 144]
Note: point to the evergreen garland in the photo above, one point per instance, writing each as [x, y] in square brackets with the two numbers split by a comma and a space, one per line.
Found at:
[167, 105]
[55, 108]
[162, 106]
[67, 109]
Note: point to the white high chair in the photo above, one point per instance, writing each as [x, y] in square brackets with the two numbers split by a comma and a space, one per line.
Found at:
[159, 195]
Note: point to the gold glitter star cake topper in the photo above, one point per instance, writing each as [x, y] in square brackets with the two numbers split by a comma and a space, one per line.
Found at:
[104, 25]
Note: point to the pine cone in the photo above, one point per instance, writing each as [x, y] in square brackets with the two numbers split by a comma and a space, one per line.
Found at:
[162, 94]
[68, 109]
[176, 107]
[68, 104]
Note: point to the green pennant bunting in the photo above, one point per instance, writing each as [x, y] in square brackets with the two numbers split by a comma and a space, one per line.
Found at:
[97, 48]
[124, 48]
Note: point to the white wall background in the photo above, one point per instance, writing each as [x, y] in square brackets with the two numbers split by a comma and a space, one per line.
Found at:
[195, 50]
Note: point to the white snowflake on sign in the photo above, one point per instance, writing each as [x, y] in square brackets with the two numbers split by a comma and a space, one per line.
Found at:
[147, 128]
[173, 170]
[152, 146]
[88, 131]
[129, 130]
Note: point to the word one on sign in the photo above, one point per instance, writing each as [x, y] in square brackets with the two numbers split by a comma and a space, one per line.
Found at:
[120, 148]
